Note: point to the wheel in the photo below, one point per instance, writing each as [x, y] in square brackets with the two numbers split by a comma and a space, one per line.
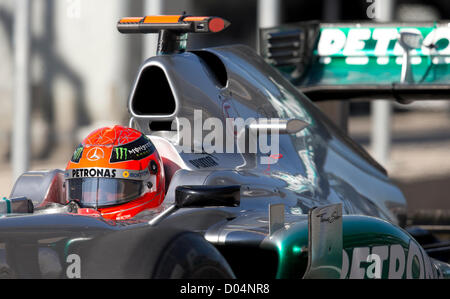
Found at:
[190, 256]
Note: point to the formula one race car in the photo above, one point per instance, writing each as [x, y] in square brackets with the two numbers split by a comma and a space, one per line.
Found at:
[259, 183]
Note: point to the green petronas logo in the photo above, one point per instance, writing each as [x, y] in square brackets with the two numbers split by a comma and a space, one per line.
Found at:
[121, 153]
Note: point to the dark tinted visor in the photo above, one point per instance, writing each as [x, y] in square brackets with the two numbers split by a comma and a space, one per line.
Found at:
[102, 192]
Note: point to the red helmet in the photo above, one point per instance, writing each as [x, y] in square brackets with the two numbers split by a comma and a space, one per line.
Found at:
[116, 171]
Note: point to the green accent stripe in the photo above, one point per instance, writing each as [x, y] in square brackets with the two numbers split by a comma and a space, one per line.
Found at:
[8, 205]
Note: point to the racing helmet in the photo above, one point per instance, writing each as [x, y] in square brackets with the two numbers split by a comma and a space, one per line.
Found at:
[117, 172]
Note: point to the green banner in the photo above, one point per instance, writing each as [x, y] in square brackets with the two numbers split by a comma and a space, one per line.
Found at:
[370, 53]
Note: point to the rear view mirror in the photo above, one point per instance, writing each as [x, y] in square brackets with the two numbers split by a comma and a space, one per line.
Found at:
[200, 196]
[17, 205]
[207, 196]
[410, 40]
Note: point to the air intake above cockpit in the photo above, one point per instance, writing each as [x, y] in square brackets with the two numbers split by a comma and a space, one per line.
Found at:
[153, 95]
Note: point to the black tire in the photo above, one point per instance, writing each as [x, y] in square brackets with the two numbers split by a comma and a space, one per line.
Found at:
[190, 256]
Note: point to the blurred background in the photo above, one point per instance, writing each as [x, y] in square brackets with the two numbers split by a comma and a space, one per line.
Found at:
[68, 58]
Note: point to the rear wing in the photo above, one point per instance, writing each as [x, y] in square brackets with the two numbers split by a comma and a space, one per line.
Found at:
[334, 61]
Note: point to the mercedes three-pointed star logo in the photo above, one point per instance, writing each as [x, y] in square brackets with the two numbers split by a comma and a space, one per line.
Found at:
[95, 154]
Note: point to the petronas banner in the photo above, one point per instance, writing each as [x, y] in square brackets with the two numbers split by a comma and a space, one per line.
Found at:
[316, 55]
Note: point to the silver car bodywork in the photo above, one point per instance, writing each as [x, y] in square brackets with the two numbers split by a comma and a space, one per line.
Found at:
[319, 165]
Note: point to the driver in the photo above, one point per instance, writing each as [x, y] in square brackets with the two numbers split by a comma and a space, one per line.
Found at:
[117, 172]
